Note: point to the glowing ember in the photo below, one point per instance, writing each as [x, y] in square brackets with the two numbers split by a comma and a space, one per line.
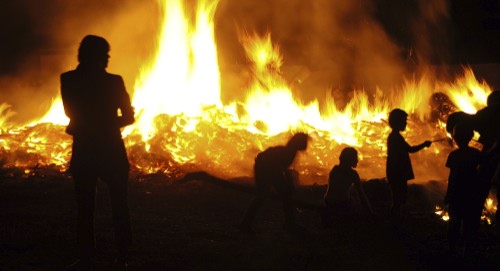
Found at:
[441, 212]
[490, 207]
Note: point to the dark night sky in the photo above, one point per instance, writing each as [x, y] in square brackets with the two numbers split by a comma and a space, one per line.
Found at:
[477, 30]
[472, 32]
[26, 26]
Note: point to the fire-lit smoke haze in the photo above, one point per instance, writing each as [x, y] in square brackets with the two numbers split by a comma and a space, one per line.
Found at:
[335, 45]
[430, 25]
[326, 44]
[43, 38]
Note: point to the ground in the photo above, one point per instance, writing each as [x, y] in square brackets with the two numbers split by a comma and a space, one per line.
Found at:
[193, 226]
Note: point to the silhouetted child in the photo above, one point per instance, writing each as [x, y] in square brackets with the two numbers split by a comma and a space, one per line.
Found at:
[399, 169]
[463, 194]
[342, 177]
[272, 170]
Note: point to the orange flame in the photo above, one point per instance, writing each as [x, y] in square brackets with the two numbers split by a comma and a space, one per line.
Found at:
[181, 120]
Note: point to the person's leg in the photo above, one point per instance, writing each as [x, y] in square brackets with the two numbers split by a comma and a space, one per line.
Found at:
[261, 193]
[485, 174]
[470, 226]
[497, 213]
[118, 192]
[327, 216]
[404, 194]
[285, 190]
[288, 210]
[496, 184]
[85, 189]
[398, 194]
[251, 213]
[454, 226]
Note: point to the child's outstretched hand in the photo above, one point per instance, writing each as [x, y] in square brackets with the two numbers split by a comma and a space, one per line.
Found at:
[427, 143]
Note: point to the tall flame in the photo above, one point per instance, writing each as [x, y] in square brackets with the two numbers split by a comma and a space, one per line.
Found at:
[184, 76]
[55, 114]
[467, 93]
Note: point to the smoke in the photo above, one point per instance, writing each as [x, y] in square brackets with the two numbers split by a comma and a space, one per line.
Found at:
[432, 32]
[347, 41]
[327, 45]
[44, 38]
[339, 45]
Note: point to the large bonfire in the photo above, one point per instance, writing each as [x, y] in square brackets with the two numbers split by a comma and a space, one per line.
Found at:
[182, 124]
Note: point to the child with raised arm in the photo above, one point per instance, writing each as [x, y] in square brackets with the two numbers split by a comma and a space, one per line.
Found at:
[398, 168]
[341, 178]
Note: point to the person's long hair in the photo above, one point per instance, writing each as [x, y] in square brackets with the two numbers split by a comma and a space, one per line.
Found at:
[93, 51]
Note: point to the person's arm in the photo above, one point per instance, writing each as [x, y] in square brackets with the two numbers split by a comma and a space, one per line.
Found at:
[127, 111]
[450, 189]
[416, 148]
[362, 194]
[70, 103]
[451, 177]
[491, 154]
[66, 97]
[493, 150]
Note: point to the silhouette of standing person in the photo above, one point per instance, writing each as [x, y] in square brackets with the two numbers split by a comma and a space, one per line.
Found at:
[487, 124]
[398, 168]
[342, 177]
[97, 105]
[463, 193]
[272, 170]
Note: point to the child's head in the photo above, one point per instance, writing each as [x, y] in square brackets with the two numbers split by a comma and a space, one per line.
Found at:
[349, 157]
[493, 98]
[397, 119]
[457, 117]
[462, 134]
[298, 142]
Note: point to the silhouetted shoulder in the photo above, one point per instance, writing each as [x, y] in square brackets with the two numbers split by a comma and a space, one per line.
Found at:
[355, 175]
[114, 77]
[116, 81]
[277, 157]
[68, 74]
[272, 153]
[347, 175]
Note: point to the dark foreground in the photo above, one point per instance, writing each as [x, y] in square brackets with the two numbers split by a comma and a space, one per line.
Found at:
[193, 226]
